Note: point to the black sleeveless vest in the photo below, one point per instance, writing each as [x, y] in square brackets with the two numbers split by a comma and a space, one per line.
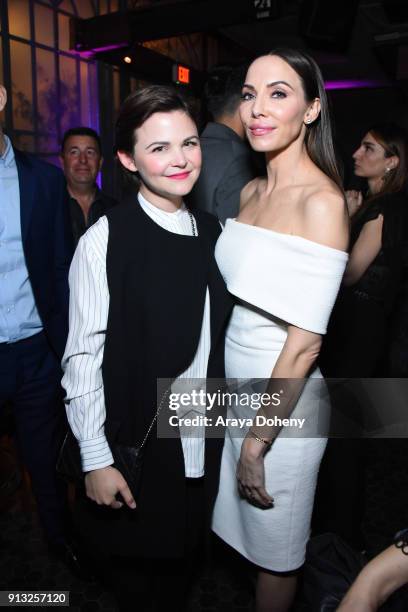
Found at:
[157, 284]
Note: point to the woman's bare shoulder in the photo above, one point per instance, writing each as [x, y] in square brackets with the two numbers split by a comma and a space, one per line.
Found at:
[325, 216]
[325, 198]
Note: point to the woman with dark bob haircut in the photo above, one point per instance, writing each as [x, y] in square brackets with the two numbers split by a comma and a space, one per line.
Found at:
[291, 235]
[147, 303]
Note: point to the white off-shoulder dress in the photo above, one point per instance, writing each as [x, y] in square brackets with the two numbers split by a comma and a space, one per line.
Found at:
[278, 279]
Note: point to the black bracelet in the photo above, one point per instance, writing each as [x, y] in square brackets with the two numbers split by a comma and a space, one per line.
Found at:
[401, 541]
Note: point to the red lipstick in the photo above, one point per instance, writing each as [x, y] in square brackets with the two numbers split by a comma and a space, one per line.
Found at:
[180, 176]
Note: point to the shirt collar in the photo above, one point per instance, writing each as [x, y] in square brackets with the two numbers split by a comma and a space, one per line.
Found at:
[7, 159]
[98, 195]
[160, 211]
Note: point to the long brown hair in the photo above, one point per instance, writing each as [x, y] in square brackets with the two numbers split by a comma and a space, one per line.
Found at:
[394, 140]
[319, 137]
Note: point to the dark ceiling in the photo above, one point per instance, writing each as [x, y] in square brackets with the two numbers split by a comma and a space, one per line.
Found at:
[361, 35]
[351, 40]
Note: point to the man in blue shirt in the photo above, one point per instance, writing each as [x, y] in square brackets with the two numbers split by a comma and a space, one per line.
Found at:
[35, 253]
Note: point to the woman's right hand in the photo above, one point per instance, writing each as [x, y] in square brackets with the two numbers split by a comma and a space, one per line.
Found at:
[354, 201]
[251, 474]
[104, 484]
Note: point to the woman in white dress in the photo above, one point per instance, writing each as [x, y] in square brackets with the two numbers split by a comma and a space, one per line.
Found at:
[283, 259]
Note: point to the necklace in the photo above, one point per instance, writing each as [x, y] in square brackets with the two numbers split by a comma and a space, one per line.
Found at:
[193, 227]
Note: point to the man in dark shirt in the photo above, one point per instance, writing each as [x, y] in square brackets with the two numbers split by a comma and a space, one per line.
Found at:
[81, 160]
[228, 162]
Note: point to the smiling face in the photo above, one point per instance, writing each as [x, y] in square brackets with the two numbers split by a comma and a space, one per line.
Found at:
[166, 155]
[273, 108]
[81, 160]
[370, 161]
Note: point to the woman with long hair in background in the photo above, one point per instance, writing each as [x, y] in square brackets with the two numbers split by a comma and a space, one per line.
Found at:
[368, 338]
[356, 344]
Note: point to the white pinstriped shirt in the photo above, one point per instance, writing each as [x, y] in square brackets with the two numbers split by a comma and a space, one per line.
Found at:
[82, 361]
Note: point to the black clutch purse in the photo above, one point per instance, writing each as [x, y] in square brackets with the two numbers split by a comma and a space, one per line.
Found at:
[127, 459]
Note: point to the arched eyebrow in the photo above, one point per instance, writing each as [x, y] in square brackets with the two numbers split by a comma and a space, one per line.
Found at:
[273, 84]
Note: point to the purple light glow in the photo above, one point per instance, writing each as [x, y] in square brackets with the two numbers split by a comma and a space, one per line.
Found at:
[90, 52]
[355, 84]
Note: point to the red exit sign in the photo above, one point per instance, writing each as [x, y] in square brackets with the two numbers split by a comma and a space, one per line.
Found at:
[181, 74]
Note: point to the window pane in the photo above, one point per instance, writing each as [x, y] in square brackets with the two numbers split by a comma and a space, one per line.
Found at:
[93, 96]
[46, 91]
[114, 5]
[19, 18]
[63, 32]
[66, 5]
[85, 9]
[21, 85]
[85, 101]
[48, 145]
[89, 93]
[24, 142]
[69, 109]
[44, 25]
[103, 7]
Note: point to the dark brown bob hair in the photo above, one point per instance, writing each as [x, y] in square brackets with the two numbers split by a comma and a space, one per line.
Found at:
[136, 109]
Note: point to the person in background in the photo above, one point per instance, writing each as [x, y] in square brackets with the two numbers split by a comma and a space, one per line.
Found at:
[386, 573]
[356, 343]
[228, 163]
[362, 328]
[35, 253]
[81, 160]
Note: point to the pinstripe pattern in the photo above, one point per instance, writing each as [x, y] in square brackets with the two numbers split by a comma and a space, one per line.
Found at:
[82, 361]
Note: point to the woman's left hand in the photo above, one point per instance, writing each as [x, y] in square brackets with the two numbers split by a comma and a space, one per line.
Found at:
[251, 473]
[354, 201]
